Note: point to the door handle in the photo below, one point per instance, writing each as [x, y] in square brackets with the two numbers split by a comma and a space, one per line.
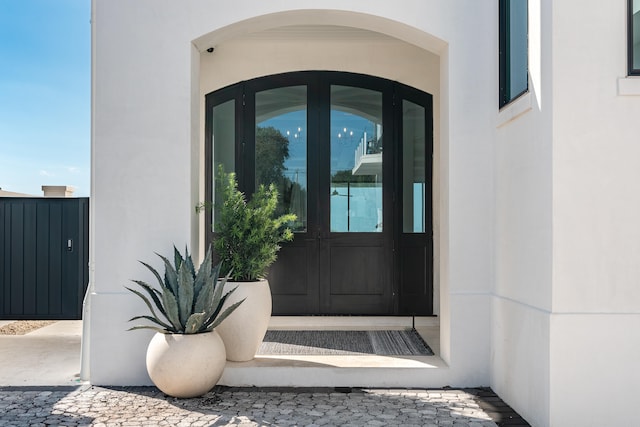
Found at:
[69, 245]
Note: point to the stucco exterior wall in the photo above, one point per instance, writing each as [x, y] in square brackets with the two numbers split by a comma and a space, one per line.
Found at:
[536, 231]
[147, 170]
[596, 239]
[566, 300]
[524, 233]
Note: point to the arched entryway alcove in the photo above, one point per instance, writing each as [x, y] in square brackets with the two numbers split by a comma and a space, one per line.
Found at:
[284, 47]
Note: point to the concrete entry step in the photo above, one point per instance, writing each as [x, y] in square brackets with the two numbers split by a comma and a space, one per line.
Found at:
[348, 370]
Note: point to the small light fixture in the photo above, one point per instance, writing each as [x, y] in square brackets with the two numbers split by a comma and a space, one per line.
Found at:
[210, 49]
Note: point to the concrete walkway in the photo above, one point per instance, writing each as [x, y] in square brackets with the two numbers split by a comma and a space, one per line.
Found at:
[47, 356]
[40, 386]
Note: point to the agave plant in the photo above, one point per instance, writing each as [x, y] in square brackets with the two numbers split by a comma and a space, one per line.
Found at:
[188, 302]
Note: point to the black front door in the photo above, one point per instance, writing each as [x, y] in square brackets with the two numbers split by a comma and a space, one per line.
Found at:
[330, 143]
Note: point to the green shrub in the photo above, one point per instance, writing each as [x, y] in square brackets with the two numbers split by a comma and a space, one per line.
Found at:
[248, 233]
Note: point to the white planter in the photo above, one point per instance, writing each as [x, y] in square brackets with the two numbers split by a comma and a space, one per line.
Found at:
[186, 365]
[244, 330]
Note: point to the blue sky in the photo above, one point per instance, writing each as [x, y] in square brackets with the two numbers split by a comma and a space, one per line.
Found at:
[45, 95]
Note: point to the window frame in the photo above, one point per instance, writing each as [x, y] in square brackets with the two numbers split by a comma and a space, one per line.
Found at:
[505, 97]
[630, 29]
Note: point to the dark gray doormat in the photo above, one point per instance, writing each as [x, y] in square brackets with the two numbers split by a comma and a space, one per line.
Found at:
[384, 343]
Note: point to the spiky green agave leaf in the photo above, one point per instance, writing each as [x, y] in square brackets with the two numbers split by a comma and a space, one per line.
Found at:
[185, 293]
[148, 303]
[170, 276]
[194, 323]
[162, 331]
[170, 304]
[154, 293]
[177, 258]
[204, 273]
[189, 261]
[219, 301]
[223, 315]
[155, 273]
[204, 299]
[219, 285]
[165, 327]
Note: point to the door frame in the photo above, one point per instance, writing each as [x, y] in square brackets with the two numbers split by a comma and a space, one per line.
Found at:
[404, 300]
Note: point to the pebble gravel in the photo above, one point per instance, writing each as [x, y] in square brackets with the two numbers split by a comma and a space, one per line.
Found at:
[147, 406]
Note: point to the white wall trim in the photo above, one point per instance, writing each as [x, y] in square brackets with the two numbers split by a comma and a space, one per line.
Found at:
[515, 109]
[629, 86]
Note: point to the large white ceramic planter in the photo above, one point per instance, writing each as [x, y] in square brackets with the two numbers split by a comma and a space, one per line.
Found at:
[244, 329]
[186, 365]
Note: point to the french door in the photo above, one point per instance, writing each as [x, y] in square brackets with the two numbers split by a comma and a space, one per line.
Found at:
[333, 145]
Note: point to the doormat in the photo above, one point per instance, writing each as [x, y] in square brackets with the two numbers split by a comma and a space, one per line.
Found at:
[384, 343]
[21, 327]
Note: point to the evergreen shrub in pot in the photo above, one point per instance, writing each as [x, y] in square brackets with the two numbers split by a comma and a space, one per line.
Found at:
[248, 234]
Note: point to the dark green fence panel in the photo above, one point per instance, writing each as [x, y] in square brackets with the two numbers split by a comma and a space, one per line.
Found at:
[44, 257]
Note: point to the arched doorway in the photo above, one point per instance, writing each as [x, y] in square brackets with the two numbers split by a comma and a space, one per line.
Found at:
[351, 155]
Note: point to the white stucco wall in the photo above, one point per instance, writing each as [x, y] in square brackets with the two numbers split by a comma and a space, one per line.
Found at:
[524, 234]
[536, 207]
[147, 140]
[565, 312]
[537, 238]
[537, 216]
[595, 334]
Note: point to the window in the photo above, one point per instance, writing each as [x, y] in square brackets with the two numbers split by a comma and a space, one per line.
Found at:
[634, 37]
[513, 54]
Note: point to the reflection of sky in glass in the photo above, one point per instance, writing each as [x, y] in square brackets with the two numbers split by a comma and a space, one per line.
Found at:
[293, 125]
[343, 147]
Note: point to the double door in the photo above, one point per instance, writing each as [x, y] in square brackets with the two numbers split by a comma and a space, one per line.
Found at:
[331, 142]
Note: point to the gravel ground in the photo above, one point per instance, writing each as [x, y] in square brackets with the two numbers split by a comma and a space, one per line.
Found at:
[254, 407]
[21, 327]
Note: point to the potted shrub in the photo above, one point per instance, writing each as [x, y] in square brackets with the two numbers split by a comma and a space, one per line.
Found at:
[186, 356]
[247, 239]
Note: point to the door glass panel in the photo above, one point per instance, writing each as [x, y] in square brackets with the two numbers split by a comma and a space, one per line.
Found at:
[223, 139]
[413, 168]
[356, 160]
[281, 148]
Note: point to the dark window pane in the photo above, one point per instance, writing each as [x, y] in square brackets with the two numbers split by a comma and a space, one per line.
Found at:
[413, 168]
[223, 139]
[634, 36]
[518, 50]
[513, 49]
